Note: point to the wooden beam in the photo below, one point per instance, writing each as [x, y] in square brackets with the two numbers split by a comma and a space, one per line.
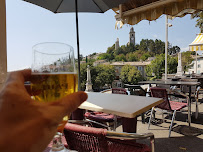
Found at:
[145, 7]
[3, 47]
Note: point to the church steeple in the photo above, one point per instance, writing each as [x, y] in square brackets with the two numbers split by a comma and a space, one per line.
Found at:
[117, 44]
[132, 36]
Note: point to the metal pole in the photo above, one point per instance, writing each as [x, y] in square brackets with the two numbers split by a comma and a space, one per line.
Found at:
[196, 61]
[78, 44]
[166, 47]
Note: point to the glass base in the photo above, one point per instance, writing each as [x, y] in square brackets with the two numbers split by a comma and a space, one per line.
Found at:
[57, 145]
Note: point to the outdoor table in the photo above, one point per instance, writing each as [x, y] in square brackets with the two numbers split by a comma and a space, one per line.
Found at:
[128, 107]
[132, 88]
[175, 83]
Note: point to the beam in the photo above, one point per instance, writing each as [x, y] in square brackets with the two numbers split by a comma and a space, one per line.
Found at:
[3, 48]
[144, 8]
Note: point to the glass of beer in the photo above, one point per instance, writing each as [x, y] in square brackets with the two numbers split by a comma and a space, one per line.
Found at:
[53, 77]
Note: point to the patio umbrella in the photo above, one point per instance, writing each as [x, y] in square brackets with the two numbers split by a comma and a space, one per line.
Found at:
[62, 6]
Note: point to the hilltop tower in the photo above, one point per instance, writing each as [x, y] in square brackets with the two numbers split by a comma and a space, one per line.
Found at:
[132, 36]
[117, 44]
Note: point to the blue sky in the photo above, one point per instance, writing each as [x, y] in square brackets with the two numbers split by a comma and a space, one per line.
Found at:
[28, 25]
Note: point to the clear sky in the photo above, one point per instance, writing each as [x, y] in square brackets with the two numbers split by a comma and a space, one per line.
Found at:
[28, 25]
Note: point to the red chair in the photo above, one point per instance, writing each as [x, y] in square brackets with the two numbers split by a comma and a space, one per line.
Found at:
[169, 106]
[86, 139]
[105, 120]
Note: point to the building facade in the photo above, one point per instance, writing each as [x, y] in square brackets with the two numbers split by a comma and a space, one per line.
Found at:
[199, 64]
[139, 65]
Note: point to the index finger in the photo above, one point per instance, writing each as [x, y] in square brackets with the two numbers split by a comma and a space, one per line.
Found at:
[19, 76]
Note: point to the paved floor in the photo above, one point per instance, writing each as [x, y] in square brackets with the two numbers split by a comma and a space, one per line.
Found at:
[183, 138]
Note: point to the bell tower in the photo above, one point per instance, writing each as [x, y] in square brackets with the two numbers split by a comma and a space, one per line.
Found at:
[132, 36]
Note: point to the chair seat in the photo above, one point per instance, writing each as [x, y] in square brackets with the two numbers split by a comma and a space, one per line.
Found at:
[100, 116]
[177, 105]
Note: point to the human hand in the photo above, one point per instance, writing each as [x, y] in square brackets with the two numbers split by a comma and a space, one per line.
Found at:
[27, 125]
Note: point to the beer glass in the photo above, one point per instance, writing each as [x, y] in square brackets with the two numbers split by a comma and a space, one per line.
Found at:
[53, 77]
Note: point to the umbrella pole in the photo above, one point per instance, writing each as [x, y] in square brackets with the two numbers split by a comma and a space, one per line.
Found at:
[78, 45]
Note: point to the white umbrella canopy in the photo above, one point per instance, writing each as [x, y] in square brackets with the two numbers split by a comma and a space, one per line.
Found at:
[65, 6]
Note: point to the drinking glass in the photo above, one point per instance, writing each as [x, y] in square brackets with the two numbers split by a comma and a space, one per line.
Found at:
[53, 77]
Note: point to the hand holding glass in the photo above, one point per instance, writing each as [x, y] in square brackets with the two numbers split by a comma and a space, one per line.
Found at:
[53, 76]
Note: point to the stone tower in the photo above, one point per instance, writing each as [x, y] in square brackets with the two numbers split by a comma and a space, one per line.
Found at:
[117, 44]
[132, 36]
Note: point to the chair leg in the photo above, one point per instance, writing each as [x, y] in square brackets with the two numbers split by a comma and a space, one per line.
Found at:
[150, 117]
[197, 109]
[173, 118]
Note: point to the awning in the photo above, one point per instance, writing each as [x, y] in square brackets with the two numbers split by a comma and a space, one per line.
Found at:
[134, 11]
[197, 44]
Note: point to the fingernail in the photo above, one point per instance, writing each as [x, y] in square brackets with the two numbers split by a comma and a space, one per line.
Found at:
[83, 96]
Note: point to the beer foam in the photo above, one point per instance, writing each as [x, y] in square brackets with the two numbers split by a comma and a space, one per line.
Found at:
[52, 73]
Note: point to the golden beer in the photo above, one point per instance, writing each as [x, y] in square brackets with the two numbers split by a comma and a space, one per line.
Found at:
[48, 87]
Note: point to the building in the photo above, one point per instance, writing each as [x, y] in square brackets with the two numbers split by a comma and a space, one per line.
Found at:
[199, 65]
[139, 65]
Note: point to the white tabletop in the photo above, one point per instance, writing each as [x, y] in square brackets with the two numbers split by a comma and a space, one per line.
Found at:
[122, 105]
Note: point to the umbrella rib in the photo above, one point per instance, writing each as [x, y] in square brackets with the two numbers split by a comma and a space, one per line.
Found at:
[98, 6]
[58, 6]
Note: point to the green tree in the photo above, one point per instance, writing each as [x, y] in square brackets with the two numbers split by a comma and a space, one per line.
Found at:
[173, 50]
[130, 75]
[157, 67]
[120, 57]
[105, 75]
[199, 16]
[131, 57]
[187, 60]
[145, 56]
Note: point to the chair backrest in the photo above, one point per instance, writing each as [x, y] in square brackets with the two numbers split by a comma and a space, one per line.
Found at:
[119, 91]
[161, 93]
[86, 139]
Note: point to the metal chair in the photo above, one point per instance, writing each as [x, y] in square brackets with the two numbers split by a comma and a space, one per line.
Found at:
[86, 139]
[168, 106]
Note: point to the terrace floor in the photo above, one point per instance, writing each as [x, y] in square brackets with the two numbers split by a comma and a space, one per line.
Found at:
[183, 138]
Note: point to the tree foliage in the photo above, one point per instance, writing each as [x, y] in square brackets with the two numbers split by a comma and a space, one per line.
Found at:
[100, 75]
[130, 75]
[157, 67]
[139, 52]
[187, 60]
[199, 16]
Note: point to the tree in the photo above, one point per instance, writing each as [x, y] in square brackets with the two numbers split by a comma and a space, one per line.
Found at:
[130, 75]
[120, 57]
[131, 57]
[186, 60]
[199, 16]
[157, 67]
[100, 75]
[145, 56]
[173, 50]
[105, 75]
